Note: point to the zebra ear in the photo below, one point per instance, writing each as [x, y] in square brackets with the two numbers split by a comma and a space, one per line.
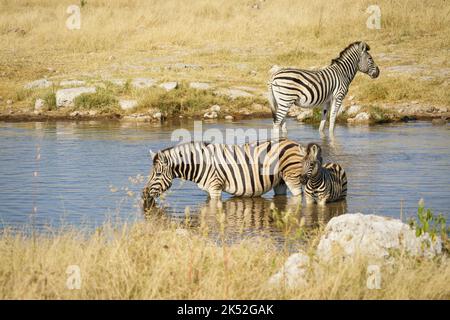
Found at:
[363, 47]
[314, 151]
[152, 154]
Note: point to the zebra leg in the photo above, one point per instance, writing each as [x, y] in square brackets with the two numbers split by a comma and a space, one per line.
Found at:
[309, 200]
[215, 194]
[284, 128]
[325, 109]
[336, 105]
[296, 189]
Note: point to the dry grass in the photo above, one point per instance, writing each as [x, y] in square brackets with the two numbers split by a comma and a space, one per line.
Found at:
[152, 260]
[228, 38]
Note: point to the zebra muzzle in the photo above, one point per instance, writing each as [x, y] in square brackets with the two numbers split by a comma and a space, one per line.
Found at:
[148, 200]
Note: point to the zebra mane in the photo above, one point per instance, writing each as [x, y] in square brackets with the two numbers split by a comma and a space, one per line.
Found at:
[343, 52]
[163, 151]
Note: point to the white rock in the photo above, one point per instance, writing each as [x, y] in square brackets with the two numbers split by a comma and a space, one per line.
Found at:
[157, 115]
[127, 104]
[38, 84]
[118, 82]
[141, 83]
[66, 97]
[210, 115]
[39, 104]
[234, 93]
[293, 273]
[362, 117]
[169, 85]
[72, 83]
[374, 237]
[92, 113]
[229, 117]
[294, 111]
[215, 108]
[9, 101]
[353, 110]
[137, 117]
[199, 85]
[305, 114]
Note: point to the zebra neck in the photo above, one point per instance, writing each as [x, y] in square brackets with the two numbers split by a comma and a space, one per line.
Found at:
[346, 67]
[319, 177]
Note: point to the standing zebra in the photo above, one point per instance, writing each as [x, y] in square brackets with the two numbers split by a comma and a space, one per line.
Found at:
[326, 183]
[327, 87]
[242, 170]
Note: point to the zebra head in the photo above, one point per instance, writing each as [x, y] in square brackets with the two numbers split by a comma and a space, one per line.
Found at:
[366, 63]
[312, 163]
[160, 178]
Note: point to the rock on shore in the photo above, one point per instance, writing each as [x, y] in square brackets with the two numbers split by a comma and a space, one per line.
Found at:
[66, 97]
[358, 235]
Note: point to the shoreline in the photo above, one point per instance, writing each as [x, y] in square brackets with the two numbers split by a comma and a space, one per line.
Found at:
[32, 117]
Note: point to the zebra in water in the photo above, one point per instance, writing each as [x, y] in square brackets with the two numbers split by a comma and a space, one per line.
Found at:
[248, 170]
[327, 87]
[327, 183]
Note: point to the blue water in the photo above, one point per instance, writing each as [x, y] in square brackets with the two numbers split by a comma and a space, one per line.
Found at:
[85, 173]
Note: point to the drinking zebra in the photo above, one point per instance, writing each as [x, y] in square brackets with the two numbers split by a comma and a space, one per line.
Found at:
[247, 170]
[327, 87]
[325, 183]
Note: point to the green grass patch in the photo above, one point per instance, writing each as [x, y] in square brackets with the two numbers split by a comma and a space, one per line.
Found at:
[102, 99]
[50, 100]
[191, 102]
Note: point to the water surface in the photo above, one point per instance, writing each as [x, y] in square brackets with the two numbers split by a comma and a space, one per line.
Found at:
[84, 173]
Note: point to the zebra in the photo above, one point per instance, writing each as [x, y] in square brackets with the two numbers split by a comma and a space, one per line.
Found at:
[327, 87]
[247, 170]
[327, 183]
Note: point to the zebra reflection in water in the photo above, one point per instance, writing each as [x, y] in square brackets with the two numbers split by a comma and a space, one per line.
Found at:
[239, 218]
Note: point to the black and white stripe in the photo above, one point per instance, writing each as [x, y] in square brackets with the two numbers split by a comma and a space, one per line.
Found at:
[327, 183]
[247, 170]
[327, 87]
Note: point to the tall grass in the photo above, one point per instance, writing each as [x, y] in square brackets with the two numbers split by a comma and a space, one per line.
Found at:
[157, 260]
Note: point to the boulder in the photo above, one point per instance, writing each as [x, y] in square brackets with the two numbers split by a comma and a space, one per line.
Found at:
[374, 237]
[305, 114]
[229, 117]
[293, 273]
[39, 84]
[118, 82]
[127, 104]
[199, 85]
[362, 117]
[9, 102]
[157, 115]
[234, 93]
[39, 104]
[141, 83]
[72, 83]
[210, 115]
[66, 97]
[215, 108]
[169, 85]
[353, 110]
